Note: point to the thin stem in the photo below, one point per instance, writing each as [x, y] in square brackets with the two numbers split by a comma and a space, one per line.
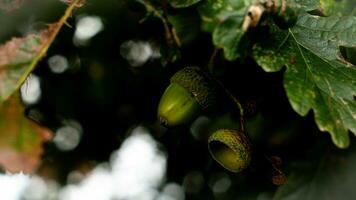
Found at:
[228, 93]
[212, 59]
[171, 36]
[237, 102]
[274, 165]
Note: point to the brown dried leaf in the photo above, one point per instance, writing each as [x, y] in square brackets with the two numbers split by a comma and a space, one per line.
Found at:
[19, 56]
[16, 56]
[20, 138]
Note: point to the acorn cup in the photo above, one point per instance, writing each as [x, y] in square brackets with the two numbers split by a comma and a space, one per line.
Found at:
[231, 149]
[191, 91]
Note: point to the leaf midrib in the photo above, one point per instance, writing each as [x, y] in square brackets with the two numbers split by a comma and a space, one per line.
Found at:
[309, 67]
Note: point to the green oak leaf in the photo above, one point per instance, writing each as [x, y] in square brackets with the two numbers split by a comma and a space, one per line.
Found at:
[317, 77]
[182, 3]
[305, 5]
[224, 18]
[227, 36]
[185, 25]
[339, 8]
[214, 12]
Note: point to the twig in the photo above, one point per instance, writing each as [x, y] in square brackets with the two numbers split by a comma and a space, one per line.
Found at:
[170, 35]
[237, 102]
[228, 93]
[212, 59]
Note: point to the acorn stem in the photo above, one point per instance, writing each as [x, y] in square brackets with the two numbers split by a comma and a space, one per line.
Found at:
[237, 102]
[212, 59]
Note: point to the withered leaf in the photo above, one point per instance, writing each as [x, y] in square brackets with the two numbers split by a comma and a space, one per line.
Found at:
[19, 56]
[20, 138]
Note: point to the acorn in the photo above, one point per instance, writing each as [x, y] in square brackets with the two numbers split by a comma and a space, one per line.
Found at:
[231, 149]
[190, 92]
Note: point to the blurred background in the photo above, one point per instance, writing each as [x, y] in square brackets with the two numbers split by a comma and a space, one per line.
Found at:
[98, 89]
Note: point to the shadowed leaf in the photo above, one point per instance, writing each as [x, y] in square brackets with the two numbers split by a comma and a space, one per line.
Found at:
[331, 177]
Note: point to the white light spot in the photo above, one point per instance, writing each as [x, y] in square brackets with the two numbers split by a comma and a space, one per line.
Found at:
[138, 53]
[13, 185]
[137, 170]
[36, 189]
[31, 90]
[58, 64]
[98, 185]
[149, 194]
[68, 136]
[87, 27]
[138, 165]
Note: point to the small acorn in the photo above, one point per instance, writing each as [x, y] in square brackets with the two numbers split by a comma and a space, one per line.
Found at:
[191, 91]
[231, 149]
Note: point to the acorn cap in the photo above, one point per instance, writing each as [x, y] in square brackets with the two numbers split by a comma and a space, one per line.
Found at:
[198, 83]
[231, 149]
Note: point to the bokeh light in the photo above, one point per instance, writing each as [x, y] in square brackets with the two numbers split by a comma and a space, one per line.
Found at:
[31, 90]
[68, 136]
[12, 186]
[135, 172]
[138, 53]
[86, 28]
[58, 64]
[219, 183]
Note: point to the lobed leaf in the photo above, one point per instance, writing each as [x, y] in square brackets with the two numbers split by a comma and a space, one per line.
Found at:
[324, 35]
[224, 18]
[317, 77]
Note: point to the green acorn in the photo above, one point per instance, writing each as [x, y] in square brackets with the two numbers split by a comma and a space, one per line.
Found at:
[231, 149]
[191, 91]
